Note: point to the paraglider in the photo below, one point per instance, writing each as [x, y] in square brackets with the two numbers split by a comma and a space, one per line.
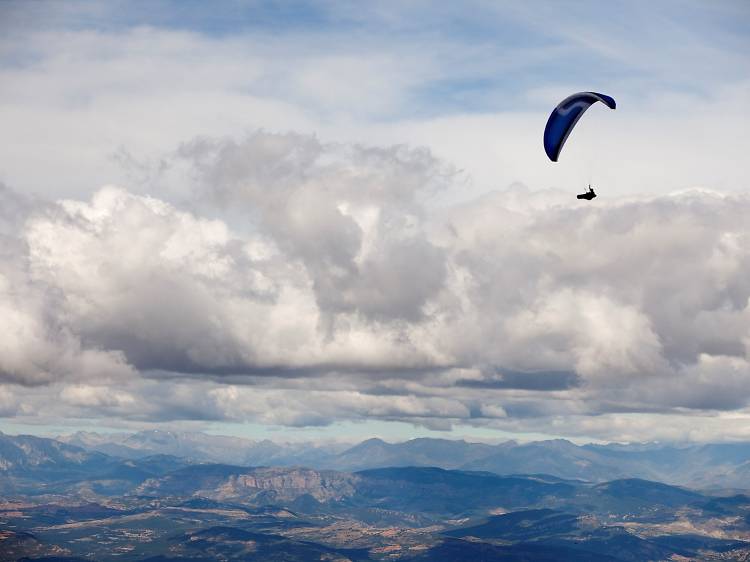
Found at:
[587, 195]
[564, 118]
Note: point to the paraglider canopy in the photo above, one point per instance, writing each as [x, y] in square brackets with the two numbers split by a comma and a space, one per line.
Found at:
[565, 116]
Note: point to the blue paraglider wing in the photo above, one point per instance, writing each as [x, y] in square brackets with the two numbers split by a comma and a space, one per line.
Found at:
[564, 118]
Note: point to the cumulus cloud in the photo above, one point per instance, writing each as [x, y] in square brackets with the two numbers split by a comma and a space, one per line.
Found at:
[351, 215]
[310, 282]
[282, 279]
[37, 345]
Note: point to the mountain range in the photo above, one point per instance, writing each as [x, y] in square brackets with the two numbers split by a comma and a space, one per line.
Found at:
[703, 466]
[60, 501]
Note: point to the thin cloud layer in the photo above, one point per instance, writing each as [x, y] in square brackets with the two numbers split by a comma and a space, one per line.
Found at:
[308, 283]
[114, 87]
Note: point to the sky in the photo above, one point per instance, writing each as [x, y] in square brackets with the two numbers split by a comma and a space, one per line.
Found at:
[334, 220]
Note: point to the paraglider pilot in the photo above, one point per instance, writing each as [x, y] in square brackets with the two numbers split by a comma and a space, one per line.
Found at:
[588, 195]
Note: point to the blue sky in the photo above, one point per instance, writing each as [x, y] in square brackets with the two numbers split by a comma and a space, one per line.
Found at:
[678, 46]
[462, 79]
[279, 169]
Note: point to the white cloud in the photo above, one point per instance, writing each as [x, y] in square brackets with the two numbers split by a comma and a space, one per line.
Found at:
[345, 294]
[95, 396]
[281, 279]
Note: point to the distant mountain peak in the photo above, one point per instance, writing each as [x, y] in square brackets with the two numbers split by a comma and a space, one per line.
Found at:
[374, 441]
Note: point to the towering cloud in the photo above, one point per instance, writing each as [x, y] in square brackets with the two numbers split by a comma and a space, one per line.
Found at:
[310, 282]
